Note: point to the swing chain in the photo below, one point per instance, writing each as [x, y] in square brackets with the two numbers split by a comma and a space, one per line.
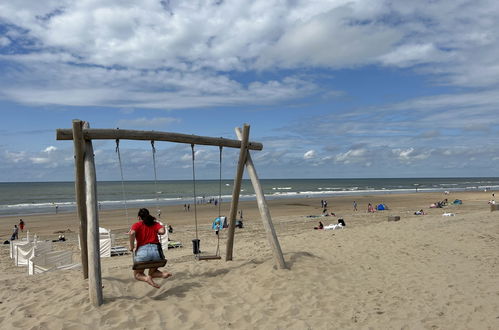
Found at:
[155, 178]
[122, 180]
[194, 190]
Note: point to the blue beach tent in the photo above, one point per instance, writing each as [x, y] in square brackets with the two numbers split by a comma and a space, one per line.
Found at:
[381, 207]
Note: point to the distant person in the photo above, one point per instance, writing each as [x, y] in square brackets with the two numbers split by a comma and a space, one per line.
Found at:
[354, 205]
[320, 226]
[370, 208]
[15, 233]
[21, 225]
[56, 209]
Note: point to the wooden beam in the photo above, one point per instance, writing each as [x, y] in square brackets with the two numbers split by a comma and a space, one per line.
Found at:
[264, 210]
[79, 151]
[125, 134]
[236, 191]
[93, 239]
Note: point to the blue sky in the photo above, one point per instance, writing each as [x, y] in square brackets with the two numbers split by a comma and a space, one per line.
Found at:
[331, 88]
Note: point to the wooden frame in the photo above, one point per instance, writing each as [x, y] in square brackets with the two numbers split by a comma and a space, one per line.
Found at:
[86, 190]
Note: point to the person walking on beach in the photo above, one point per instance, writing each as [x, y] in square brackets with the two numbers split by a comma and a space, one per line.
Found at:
[354, 205]
[146, 232]
[15, 233]
[21, 225]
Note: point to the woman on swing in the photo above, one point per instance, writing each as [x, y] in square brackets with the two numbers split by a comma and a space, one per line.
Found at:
[146, 231]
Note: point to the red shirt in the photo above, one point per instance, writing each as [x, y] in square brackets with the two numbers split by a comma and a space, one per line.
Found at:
[144, 234]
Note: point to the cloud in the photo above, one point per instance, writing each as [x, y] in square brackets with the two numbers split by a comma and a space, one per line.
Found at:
[409, 155]
[50, 149]
[180, 55]
[410, 55]
[309, 154]
[14, 157]
[351, 156]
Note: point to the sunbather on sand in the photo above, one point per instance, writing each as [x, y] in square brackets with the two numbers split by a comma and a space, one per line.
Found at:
[321, 226]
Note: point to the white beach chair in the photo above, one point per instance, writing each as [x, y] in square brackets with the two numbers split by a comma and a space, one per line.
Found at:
[51, 261]
[106, 242]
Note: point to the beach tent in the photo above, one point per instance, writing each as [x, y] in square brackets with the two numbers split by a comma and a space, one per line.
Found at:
[457, 202]
[51, 261]
[381, 207]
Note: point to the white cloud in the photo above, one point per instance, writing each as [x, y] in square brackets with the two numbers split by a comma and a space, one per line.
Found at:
[409, 55]
[351, 156]
[410, 154]
[40, 160]
[184, 54]
[309, 154]
[15, 157]
[50, 149]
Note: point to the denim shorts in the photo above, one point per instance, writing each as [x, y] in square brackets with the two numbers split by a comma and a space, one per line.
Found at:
[148, 252]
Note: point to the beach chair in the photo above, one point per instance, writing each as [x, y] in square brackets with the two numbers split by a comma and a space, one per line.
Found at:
[51, 261]
[106, 242]
[174, 245]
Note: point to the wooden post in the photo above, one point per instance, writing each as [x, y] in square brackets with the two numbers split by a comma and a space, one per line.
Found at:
[79, 151]
[94, 269]
[264, 210]
[243, 151]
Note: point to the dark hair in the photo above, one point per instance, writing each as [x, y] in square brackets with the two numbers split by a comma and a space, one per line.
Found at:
[146, 217]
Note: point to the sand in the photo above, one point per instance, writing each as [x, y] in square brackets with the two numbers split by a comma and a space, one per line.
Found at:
[422, 272]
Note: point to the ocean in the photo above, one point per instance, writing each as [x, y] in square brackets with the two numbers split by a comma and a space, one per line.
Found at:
[24, 198]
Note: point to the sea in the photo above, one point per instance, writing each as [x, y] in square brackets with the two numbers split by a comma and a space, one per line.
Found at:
[24, 198]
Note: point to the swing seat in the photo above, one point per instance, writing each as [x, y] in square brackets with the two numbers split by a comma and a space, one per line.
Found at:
[208, 257]
[149, 264]
[140, 265]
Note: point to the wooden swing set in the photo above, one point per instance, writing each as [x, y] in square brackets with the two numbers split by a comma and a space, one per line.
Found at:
[86, 189]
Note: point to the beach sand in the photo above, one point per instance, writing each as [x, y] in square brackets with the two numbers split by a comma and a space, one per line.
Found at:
[422, 272]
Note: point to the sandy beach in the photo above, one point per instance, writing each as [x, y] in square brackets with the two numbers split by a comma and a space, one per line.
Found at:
[422, 272]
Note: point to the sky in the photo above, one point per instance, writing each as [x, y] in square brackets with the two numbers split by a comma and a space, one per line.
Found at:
[332, 89]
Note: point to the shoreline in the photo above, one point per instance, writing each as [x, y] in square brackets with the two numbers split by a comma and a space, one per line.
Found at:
[175, 214]
[113, 205]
